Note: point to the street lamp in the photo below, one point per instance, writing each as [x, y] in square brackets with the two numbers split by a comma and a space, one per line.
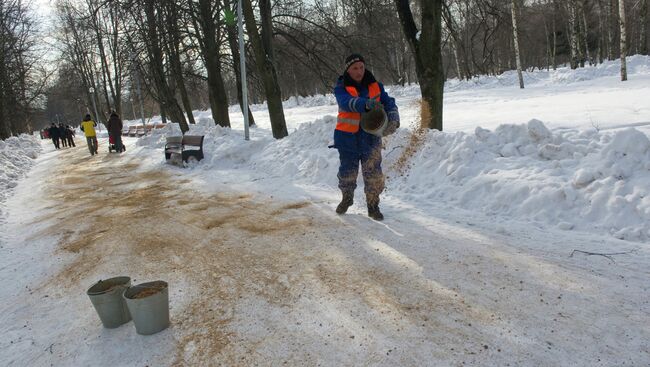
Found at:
[92, 96]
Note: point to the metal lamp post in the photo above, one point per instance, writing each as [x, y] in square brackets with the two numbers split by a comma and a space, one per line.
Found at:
[92, 96]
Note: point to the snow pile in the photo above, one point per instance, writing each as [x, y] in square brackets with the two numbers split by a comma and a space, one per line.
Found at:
[17, 156]
[570, 179]
[582, 180]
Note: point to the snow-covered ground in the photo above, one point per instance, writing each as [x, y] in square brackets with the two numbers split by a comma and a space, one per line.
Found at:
[560, 166]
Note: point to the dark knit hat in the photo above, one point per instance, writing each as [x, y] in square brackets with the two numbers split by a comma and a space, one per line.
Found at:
[352, 59]
[87, 118]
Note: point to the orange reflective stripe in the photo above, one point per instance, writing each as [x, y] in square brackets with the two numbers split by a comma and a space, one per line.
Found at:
[353, 91]
[374, 91]
[349, 115]
[347, 128]
[349, 121]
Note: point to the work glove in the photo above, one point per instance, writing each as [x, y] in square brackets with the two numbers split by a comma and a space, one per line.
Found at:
[391, 127]
[371, 104]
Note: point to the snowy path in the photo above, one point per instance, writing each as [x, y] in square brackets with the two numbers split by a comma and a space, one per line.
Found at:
[255, 281]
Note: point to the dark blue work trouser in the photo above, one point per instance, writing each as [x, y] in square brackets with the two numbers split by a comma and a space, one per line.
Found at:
[373, 178]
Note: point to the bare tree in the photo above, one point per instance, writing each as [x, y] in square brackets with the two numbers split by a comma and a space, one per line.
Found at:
[151, 31]
[264, 61]
[21, 79]
[516, 42]
[643, 27]
[205, 15]
[426, 48]
[622, 23]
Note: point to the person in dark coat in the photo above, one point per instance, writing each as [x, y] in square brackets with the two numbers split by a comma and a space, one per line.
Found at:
[54, 135]
[63, 135]
[115, 126]
[358, 92]
[69, 135]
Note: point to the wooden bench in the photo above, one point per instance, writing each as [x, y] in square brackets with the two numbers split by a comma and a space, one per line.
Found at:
[139, 132]
[132, 130]
[159, 126]
[177, 146]
[125, 131]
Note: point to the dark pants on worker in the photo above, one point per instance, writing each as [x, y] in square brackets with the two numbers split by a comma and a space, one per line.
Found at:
[364, 149]
[55, 141]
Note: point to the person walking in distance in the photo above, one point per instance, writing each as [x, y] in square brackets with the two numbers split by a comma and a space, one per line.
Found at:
[63, 135]
[358, 92]
[54, 135]
[115, 131]
[88, 127]
[69, 135]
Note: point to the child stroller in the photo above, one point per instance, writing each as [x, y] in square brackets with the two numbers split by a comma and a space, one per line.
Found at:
[111, 144]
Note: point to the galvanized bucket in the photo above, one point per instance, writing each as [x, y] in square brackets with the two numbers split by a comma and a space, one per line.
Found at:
[148, 304]
[106, 296]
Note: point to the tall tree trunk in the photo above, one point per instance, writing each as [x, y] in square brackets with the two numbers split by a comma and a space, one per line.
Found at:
[610, 35]
[267, 71]
[104, 70]
[548, 43]
[233, 42]
[210, 49]
[573, 34]
[173, 49]
[515, 38]
[454, 51]
[167, 100]
[601, 33]
[643, 27]
[622, 21]
[427, 53]
[117, 60]
[585, 32]
[554, 28]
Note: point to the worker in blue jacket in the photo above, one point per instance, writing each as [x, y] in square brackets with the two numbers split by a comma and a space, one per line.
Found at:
[358, 92]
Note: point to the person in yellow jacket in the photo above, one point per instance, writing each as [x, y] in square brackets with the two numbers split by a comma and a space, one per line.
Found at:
[88, 127]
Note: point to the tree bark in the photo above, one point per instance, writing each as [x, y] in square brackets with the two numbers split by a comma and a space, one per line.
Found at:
[601, 33]
[267, 71]
[643, 27]
[622, 21]
[573, 34]
[610, 35]
[210, 46]
[516, 43]
[585, 32]
[427, 53]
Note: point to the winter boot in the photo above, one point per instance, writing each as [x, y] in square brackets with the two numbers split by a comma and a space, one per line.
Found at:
[373, 207]
[345, 203]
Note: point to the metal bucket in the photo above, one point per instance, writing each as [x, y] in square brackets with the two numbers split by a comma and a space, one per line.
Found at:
[375, 121]
[106, 297]
[148, 304]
